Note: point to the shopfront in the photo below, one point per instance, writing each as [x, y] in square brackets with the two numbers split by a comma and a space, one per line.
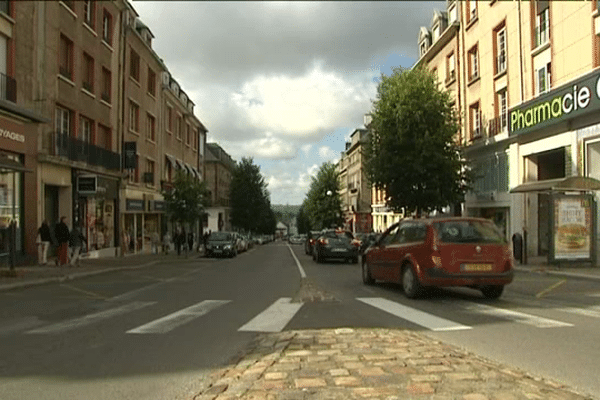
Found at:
[142, 217]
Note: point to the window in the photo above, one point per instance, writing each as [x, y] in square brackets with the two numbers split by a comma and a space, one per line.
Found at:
[542, 22]
[134, 65]
[423, 47]
[106, 85]
[151, 82]
[134, 117]
[85, 130]
[88, 73]
[104, 138]
[473, 63]
[502, 109]
[69, 3]
[543, 79]
[63, 121]
[188, 134]
[134, 176]
[89, 13]
[450, 68]
[500, 34]
[472, 10]
[475, 117]
[65, 67]
[179, 127]
[149, 175]
[169, 119]
[151, 127]
[452, 13]
[436, 32]
[107, 27]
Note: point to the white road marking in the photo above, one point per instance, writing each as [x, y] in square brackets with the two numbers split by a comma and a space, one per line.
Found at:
[172, 321]
[91, 318]
[593, 311]
[516, 316]
[415, 316]
[302, 273]
[8, 327]
[593, 294]
[274, 318]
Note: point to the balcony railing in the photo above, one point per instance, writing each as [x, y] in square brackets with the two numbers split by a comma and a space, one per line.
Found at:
[501, 62]
[8, 88]
[79, 150]
[541, 34]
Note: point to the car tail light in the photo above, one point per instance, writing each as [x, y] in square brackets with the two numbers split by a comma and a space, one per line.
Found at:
[437, 261]
[356, 243]
[324, 242]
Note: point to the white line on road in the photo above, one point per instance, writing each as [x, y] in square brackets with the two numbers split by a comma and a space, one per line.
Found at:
[7, 327]
[302, 273]
[91, 318]
[274, 318]
[415, 316]
[593, 311]
[172, 321]
[516, 316]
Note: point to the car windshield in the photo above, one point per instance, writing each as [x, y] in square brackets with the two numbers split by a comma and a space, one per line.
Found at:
[220, 236]
[468, 232]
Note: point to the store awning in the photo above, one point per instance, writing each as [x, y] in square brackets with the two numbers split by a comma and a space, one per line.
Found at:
[171, 160]
[181, 165]
[9, 165]
[197, 173]
[570, 184]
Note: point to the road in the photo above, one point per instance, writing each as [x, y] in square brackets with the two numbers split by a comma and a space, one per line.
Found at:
[155, 332]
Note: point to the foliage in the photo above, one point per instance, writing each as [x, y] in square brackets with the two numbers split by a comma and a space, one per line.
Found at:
[412, 153]
[302, 219]
[186, 200]
[250, 200]
[323, 205]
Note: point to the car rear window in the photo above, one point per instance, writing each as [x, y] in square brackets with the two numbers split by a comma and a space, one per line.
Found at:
[220, 236]
[468, 232]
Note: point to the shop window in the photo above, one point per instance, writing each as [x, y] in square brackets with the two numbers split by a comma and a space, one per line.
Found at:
[65, 67]
[88, 73]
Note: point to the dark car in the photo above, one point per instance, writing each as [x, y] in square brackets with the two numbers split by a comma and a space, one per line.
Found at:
[310, 241]
[364, 240]
[221, 244]
[332, 244]
[422, 253]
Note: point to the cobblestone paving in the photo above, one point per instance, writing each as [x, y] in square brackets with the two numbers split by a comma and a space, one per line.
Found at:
[371, 364]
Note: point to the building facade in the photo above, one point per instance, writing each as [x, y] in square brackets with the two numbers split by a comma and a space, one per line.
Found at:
[507, 64]
[218, 167]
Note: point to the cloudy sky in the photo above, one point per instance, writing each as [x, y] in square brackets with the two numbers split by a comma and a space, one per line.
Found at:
[285, 83]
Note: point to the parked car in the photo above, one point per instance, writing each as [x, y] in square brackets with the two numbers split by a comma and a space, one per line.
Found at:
[421, 253]
[333, 244]
[311, 237]
[296, 239]
[221, 244]
[241, 243]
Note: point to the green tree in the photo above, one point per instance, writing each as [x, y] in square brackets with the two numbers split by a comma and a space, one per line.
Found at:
[186, 200]
[250, 199]
[412, 153]
[302, 219]
[323, 203]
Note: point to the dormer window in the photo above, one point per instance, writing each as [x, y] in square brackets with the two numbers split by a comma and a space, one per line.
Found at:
[436, 32]
[423, 48]
[452, 13]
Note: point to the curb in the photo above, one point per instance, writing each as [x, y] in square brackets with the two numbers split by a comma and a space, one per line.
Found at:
[566, 274]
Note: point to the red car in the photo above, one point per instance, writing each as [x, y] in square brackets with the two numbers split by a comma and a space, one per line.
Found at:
[438, 252]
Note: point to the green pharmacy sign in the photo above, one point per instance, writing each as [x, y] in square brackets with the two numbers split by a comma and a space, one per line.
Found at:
[573, 100]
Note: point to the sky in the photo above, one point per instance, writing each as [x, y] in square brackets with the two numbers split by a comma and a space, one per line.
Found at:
[285, 83]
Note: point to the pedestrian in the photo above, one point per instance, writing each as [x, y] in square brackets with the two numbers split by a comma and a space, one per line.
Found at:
[190, 240]
[155, 240]
[76, 240]
[43, 240]
[62, 237]
[177, 240]
[166, 242]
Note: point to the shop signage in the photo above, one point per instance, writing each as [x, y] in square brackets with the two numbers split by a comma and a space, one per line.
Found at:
[130, 154]
[134, 205]
[572, 228]
[87, 184]
[575, 99]
[17, 137]
[159, 205]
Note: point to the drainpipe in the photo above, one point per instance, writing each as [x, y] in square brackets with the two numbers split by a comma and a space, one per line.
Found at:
[521, 94]
[124, 30]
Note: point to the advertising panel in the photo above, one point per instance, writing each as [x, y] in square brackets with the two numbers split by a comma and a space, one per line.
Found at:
[573, 228]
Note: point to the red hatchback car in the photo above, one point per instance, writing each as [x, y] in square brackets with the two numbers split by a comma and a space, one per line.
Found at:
[420, 253]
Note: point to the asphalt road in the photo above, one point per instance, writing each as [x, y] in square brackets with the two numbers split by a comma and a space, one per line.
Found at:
[155, 332]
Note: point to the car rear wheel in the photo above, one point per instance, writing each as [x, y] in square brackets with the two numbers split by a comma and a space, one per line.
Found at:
[366, 273]
[492, 292]
[410, 283]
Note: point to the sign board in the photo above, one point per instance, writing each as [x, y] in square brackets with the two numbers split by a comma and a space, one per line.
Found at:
[130, 155]
[572, 228]
[87, 184]
[159, 205]
[134, 205]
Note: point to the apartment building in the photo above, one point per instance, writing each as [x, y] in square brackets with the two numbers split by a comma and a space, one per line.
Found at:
[524, 76]
[218, 167]
[19, 124]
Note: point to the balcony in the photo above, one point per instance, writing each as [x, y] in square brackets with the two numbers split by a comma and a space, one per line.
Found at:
[501, 62]
[79, 150]
[8, 88]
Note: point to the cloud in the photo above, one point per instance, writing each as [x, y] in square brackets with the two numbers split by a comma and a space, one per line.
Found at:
[327, 153]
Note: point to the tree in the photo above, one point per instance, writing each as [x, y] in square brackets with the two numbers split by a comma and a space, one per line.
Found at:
[323, 203]
[412, 153]
[186, 200]
[302, 219]
[250, 199]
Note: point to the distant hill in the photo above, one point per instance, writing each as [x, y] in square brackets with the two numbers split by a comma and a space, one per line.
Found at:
[285, 209]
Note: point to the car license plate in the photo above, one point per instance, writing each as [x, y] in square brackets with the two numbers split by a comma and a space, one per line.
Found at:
[218, 251]
[476, 267]
[339, 250]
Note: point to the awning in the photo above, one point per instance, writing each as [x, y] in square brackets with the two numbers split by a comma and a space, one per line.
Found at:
[570, 184]
[181, 165]
[171, 160]
[9, 165]
[197, 173]
[188, 167]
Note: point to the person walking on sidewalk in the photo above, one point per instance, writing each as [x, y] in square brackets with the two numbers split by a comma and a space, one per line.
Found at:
[190, 240]
[76, 242]
[62, 237]
[44, 240]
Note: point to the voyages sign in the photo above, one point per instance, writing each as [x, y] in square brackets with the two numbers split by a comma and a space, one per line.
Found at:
[569, 101]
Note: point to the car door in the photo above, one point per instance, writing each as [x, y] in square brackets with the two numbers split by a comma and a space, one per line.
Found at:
[377, 255]
[407, 243]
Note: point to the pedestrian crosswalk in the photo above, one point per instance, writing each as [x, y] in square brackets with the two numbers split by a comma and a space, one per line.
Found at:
[277, 316]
